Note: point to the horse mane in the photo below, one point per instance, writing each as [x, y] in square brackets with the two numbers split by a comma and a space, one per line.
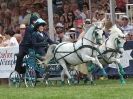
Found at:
[116, 31]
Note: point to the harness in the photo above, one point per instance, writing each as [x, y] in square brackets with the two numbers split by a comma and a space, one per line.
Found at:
[114, 52]
[75, 50]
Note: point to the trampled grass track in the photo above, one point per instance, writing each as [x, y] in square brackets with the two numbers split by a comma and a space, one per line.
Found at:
[104, 89]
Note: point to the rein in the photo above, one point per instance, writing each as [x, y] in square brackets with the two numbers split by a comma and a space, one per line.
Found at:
[114, 51]
[75, 50]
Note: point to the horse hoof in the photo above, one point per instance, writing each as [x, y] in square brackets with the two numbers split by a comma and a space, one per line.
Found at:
[123, 82]
[62, 82]
[92, 83]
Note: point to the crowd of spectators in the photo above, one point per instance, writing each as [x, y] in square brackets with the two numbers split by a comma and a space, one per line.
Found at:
[15, 14]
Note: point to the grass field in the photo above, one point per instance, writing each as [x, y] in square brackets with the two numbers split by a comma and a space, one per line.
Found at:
[104, 89]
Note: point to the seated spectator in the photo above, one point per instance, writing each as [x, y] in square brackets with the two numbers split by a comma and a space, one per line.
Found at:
[18, 38]
[125, 25]
[1, 29]
[81, 31]
[61, 37]
[85, 12]
[22, 29]
[70, 18]
[87, 24]
[10, 40]
[1, 40]
[121, 4]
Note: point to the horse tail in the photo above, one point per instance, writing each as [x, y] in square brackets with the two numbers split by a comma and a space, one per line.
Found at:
[50, 53]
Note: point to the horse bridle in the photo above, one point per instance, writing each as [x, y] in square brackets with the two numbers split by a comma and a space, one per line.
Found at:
[114, 51]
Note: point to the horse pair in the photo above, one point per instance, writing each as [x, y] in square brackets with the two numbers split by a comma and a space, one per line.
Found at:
[88, 49]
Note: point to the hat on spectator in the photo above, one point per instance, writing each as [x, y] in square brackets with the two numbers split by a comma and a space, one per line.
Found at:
[59, 25]
[87, 21]
[22, 26]
[72, 29]
[39, 22]
[124, 17]
[37, 2]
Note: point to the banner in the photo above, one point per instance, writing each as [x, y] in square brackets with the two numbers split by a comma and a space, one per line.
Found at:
[7, 60]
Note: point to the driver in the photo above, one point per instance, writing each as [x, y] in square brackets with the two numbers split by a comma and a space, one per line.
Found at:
[40, 39]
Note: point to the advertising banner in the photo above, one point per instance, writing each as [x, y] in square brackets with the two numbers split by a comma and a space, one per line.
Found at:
[7, 60]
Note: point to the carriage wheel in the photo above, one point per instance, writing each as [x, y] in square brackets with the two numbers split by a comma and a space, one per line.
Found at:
[14, 79]
[30, 78]
[75, 76]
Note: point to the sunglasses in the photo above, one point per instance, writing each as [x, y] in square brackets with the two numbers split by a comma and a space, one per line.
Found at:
[79, 27]
[101, 14]
[87, 22]
[124, 19]
[69, 14]
[85, 6]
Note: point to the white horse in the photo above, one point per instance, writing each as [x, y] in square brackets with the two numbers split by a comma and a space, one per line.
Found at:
[111, 50]
[82, 51]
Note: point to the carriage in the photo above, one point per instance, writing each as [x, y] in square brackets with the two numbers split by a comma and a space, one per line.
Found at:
[85, 50]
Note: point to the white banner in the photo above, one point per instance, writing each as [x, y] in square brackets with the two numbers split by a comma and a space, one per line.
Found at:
[7, 60]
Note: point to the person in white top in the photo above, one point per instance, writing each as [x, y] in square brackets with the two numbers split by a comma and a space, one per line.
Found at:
[10, 40]
[126, 27]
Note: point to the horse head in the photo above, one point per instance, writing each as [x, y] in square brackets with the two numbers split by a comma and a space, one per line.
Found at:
[95, 35]
[98, 35]
[119, 38]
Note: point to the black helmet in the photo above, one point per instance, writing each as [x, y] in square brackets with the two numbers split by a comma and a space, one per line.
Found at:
[39, 22]
[33, 18]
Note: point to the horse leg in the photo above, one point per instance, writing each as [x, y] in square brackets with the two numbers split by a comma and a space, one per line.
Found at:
[90, 67]
[90, 76]
[96, 61]
[63, 64]
[101, 66]
[62, 77]
[121, 75]
[120, 70]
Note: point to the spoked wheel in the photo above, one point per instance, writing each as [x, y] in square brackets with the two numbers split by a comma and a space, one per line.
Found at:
[75, 76]
[30, 78]
[14, 79]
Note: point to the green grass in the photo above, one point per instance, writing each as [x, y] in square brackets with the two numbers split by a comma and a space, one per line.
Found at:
[104, 89]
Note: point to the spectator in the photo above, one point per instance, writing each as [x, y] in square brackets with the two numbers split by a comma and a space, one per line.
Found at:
[56, 19]
[22, 29]
[15, 16]
[61, 37]
[80, 31]
[70, 18]
[87, 25]
[1, 29]
[125, 25]
[85, 12]
[1, 40]
[18, 38]
[121, 4]
[10, 40]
